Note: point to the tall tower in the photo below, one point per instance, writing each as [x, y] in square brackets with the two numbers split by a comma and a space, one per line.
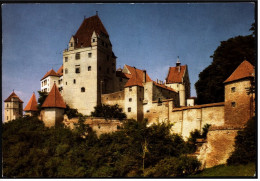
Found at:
[89, 66]
[178, 79]
[13, 107]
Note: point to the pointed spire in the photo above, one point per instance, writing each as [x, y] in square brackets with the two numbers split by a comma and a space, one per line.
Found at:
[54, 99]
[32, 104]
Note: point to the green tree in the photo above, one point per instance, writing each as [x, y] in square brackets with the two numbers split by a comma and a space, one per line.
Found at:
[41, 99]
[108, 112]
[245, 145]
[226, 59]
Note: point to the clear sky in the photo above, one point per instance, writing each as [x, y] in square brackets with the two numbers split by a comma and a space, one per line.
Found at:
[147, 36]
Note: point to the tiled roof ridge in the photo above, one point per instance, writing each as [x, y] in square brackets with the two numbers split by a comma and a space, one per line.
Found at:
[11, 96]
[175, 76]
[50, 73]
[59, 71]
[164, 86]
[199, 106]
[54, 99]
[244, 70]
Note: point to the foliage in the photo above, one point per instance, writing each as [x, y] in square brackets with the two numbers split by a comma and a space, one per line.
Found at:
[194, 135]
[174, 167]
[108, 112]
[32, 150]
[41, 99]
[248, 170]
[72, 113]
[226, 59]
[245, 145]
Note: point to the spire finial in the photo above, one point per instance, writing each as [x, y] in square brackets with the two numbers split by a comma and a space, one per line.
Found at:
[178, 63]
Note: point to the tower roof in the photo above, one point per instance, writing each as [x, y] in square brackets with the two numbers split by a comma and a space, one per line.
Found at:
[50, 73]
[244, 70]
[13, 95]
[32, 104]
[176, 74]
[136, 77]
[54, 99]
[85, 31]
[60, 71]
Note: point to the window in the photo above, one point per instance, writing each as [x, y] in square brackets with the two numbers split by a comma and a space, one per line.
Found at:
[7, 105]
[233, 89]
[66, 83]
[130, 99]
[130, 88]
[66, 71]
[89, 55]
[93, 40]
[89, 68]
[77, 56]
[71, 44]
[74, 81]
[233, 104]
[129, 109]
[66, 59]
[77, 69]
[59, 82]
[82, 89]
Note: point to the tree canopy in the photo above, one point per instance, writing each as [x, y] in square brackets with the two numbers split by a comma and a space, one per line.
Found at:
[226, 59]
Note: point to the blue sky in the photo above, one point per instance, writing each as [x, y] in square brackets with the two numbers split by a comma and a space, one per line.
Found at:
[147, 36]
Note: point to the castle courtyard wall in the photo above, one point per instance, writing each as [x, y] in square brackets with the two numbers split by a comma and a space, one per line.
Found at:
[114, 98]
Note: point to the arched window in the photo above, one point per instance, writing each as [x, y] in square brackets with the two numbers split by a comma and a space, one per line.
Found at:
[82, 89]
[66, 71]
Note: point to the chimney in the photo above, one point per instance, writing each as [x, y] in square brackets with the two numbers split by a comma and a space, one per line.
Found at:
[178, 63]
[144, 76]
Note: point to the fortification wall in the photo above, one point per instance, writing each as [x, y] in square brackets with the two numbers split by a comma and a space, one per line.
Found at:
[100, 125]
[187, 119]
[219, 146]
[114, 98]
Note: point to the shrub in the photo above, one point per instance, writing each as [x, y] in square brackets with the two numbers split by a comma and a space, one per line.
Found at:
[108, 112]
[72, 113]
[245, 145]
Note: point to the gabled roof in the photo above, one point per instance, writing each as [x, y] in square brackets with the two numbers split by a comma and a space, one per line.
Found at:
[50, 73]
[85, 31]
[13, 95]
[175, 75]
[136, 77]
[244, 70]
[54, 99]
[164, 86]
[60, 71]
[32, 104]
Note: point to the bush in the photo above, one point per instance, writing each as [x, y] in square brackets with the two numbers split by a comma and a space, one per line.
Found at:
[72, 113]
[245, 145]
[174, 167]
[108, 112]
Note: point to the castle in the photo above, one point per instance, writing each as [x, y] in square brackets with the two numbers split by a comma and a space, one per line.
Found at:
[88, 77]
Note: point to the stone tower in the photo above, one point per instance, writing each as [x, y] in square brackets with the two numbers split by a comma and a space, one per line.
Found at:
[13, 107]
[89, 66]
[239, 105]
[178, 79]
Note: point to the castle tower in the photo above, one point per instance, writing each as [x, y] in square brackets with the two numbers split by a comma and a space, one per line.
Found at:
[13, 107]
[89, 66]
[53, 108]
[178, 79]
[31, 107]
[239, 104]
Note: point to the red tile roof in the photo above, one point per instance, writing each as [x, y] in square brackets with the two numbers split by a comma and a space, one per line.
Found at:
[54, 99]
[13, 95]
[244, 70]
[199, 106]
[164, 86]
[136, 77]
[32, 104]
[174, 75]
[85, 31]
[50, 73]
[60, 71]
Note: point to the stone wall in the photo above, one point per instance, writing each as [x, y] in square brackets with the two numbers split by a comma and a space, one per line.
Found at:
[187, 119]
[114, 98]
[52, 116]
[219, 146]
[99, 125]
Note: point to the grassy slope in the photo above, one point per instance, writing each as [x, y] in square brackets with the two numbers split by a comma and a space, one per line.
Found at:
[229, 171]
